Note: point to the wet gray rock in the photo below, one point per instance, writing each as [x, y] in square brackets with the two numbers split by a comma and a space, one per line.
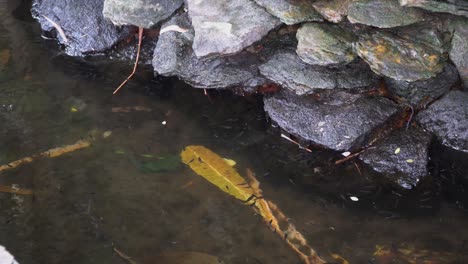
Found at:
[400, 58]
[447, 118]
[82, 21]
[424, 91]
[383, 13]
[338, 120]
[142, 13]
[173, 56]
[225, 27]
[287, 69]
[456, 7]
[325, 44]
[332, 10]
[401, 158]
[459, 50]
[291, 11]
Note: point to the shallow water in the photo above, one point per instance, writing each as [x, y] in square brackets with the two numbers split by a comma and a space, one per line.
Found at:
[91, 200]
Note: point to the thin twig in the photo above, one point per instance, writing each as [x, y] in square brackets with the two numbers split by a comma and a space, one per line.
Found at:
[58, 28]
[350, 156]
[123, 256]
[295, 142]
[140, 36]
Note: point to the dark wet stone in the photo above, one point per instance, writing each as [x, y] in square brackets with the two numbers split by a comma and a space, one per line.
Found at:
[383, 13]
[459, 50]
[291, 11]
[434, 34]
[142, 13]
[82, 21]
[225, 27]
[173, 56]
[424, 91]
[399, 58]
[456, 7]
[338, 120]
[401, 158]
[332, 10]
[447, 118]
[288, 70]
[325, 44]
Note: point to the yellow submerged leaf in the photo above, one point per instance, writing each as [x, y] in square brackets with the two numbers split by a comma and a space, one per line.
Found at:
[216, 170]
[230, 162]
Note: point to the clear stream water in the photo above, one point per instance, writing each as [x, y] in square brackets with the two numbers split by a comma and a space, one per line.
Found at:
[115, 192]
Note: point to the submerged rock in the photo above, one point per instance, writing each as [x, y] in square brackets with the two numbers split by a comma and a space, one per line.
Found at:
[427, 90]
[225, 27]
[142, 13]
[325, 44]
[173, 56]
[291, 11]
[383, 13]
[332, 10]
[82, 22]
[288, 70]
[456, 7]
[401, 158]
[399, 58]
[447, 118]
[459, 50]
[338, 120]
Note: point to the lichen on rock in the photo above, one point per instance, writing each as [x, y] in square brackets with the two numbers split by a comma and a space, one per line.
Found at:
[291, 11]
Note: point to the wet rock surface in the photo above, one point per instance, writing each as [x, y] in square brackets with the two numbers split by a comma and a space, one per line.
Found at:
[338, 121]
[459, 50]
[173, 56]
[82, 22]
[383, 14]
[332, 10]
[399, 58]
[401, 158]
[225, 27]
[324, 44]
[291, 11]
[456, 7]
[288, 70]
[424, 91]
[447, 118]
[142, 13]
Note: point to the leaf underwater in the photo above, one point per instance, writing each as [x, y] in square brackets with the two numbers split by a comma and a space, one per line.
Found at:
[216, 170]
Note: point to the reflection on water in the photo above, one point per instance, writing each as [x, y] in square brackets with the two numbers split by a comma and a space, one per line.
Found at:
[127, 191]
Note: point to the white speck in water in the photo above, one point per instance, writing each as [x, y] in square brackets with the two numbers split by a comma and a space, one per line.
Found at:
[346, 153]
[164, 123]
[354, 198]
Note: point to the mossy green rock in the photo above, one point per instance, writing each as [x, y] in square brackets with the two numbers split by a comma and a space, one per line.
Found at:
[456, 7]
[291, 11]
[325, 44]
[399, 58]
[383, 13]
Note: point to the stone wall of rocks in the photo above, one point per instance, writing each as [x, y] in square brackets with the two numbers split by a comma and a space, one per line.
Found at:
[349, 70]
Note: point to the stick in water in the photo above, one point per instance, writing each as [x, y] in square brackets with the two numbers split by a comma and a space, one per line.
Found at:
[140, 36]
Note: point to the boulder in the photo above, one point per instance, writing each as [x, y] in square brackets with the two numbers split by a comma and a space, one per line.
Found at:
[337, 120]
[424, 91]
[291, 12]
[332, 10]
[456, 7]
[142, 13]
[325, 44]
[401, 158]
[459, 49]
[173, 56]
[287, 69]
[383, 13]
[447, 118]
[224, 27]
[400, 58]
[82, 22]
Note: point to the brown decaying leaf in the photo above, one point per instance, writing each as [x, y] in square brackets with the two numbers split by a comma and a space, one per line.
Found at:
[4, 58]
